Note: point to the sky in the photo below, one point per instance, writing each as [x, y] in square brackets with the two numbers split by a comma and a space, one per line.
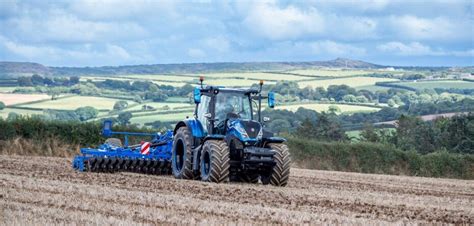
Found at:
[129, 32]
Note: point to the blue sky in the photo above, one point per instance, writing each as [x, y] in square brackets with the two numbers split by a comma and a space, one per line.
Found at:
[95, 33]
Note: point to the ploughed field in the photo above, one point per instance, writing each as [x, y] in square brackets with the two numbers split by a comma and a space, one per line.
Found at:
[44, 190]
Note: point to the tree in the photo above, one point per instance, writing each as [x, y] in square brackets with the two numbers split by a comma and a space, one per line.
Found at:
[124, 118]
[86, 113]
[349, 98]
[25, 81]
[333, 109]
[120, 105]
[37, 80]
[2, 105]
[12, 116]
[369, 134]
[280, 125]
[73, 80]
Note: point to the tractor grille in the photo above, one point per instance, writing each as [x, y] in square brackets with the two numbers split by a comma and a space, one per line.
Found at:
[252, 128]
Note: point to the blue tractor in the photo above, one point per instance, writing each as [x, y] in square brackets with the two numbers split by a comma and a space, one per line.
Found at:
[226, 139]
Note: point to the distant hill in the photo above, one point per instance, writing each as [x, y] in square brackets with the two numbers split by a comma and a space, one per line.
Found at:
[18, 68]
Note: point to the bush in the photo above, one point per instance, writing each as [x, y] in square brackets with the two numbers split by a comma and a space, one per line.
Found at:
[379, 158]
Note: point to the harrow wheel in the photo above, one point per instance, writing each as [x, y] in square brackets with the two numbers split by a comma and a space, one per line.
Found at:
[215, 161]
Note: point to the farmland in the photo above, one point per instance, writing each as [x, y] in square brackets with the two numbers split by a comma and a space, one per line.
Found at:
[10, 98]
[330, 73]
[74, 102]
[167, 117]
[351, 81]
[46, 190]
[420, 85]
[344, 108]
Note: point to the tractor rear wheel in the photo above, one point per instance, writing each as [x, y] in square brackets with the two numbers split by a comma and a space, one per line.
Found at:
[181, 159]
[281, 171]
[215, 161]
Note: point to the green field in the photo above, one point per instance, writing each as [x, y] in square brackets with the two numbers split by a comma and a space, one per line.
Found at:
[351, 81]
[438, 84]
[172, 117]
[4, 113]
[74, 102]
[345, 108]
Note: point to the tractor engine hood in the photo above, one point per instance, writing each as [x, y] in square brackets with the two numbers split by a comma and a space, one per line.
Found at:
[245, 130]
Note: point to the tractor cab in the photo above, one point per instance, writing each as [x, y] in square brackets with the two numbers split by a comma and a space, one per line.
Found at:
[222, 111]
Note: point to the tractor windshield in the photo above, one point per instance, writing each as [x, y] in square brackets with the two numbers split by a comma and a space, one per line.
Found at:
[232, 105]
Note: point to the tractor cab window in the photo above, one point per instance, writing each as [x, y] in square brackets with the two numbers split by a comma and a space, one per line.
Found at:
[236, 105]
[203, 108]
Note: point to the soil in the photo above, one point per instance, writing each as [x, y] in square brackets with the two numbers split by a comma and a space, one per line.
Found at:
[46, 190]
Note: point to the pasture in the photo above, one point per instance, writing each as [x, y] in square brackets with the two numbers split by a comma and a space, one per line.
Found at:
[170, 117]
[344, 108]
[74, 102]
[161, 106]
[420, 85]
[351, 81]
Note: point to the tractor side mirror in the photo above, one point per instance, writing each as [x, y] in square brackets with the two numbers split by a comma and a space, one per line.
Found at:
[271, 99]
[197, 95]
[107, 129]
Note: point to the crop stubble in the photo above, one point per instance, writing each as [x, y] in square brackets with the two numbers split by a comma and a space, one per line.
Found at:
[44, 190]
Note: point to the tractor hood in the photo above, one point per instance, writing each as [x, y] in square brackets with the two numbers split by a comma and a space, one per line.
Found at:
[245, 130]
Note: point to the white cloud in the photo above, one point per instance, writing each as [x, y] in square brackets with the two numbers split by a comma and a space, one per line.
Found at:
[439, 28]
[418, 49]
[270, 21]
[336, 49]
[219, 43]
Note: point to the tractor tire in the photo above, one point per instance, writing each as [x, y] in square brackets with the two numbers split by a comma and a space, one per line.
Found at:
[114, 142]
[215, 161]
[181, 158]
[281, 171]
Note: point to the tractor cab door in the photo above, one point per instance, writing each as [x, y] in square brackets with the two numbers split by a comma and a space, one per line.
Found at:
[203, 110]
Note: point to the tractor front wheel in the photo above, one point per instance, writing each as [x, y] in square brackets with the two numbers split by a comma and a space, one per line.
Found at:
[281, 171]
[181, 159]
[215, 161]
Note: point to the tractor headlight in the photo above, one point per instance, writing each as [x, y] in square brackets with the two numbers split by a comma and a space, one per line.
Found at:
[260, 134]
[241, 130]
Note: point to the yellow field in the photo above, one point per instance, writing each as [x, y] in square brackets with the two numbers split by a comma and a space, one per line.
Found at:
[233, 82]
[353, 82]
[172, 78]
[14, 98]
[256, 75]
[324, 107]
[330, 73]
[75, 102]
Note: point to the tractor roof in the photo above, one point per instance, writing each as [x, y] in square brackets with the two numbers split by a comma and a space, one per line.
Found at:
[229, 90]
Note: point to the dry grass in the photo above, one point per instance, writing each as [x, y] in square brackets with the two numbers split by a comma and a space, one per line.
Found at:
[48, 147]
[40, 190]
[74, 102]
